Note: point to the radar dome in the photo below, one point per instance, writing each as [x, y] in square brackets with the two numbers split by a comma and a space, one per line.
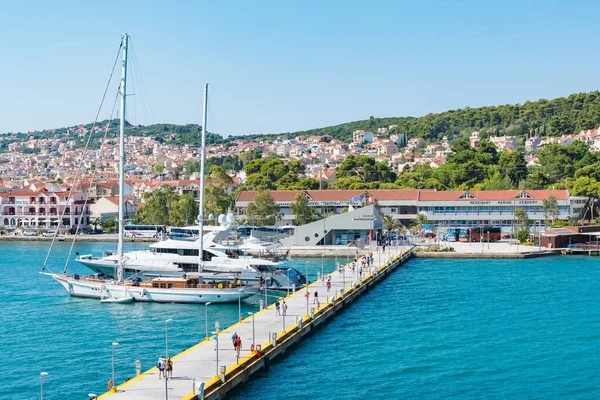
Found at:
[231, 218]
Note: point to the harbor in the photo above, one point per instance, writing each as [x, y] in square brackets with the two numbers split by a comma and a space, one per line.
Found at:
[211, 368]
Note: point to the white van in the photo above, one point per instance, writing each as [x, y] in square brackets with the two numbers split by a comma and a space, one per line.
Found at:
[49, 233]
[29, 232]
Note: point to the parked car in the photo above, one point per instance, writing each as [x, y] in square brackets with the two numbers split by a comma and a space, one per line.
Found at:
[30, 232]
[49, 233]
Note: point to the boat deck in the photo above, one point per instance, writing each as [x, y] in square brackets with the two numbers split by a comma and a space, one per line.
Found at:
[198, 365]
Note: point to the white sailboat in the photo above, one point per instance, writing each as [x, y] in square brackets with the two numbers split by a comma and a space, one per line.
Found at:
[199, 288]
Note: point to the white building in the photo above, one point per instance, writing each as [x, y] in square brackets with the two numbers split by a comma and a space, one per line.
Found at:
[442, 208]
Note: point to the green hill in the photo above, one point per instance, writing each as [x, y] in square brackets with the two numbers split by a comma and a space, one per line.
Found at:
[546, 117]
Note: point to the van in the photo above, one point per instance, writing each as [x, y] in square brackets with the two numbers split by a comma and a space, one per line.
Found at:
[29, 232]
[49, 233]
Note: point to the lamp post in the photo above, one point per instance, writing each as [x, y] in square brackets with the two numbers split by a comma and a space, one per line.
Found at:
[240, 291]
[306, 286]
[253, 336]
[216, 333]
[322, 269]
[283, 314]
[167, 337]
[114, 344]
[481, 237]
[488, 232]
[206, 316]
[42, 375]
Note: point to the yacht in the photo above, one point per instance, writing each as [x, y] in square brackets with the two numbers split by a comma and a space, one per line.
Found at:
[217, 288]
[179, 257]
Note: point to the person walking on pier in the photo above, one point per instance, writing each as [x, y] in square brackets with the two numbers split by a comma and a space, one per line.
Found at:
[237, 344]
[316, 299]
[169, 368]
[284, 307]
[277, 312]
[161, 367]
[328, 284]
[234, 337]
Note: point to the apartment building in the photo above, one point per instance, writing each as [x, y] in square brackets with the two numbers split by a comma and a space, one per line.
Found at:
[43, 209]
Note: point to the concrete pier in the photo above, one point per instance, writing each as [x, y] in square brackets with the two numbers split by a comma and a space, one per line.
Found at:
[198, 375]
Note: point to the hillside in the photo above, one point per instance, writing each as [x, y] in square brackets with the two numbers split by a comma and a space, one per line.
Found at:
[546, 117]
[549, 117]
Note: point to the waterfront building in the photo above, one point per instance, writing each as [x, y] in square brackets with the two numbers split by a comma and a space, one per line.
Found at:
[42, 209]
[357, 227]
[443, 208]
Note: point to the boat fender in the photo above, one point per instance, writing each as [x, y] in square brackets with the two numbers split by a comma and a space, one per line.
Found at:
[251, 348]
[258, 349]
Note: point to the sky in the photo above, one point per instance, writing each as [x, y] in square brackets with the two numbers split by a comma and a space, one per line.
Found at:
[284, 66]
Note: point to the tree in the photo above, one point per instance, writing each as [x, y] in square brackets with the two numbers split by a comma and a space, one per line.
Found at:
[258, 181]
[550, 210]
[263, 210]
[303, 213]
[296, 167]
[522, 225]
[216, 201]
[157, 206]
[109, 224]
[184, 210]
[418, 223]
[513, 165]
[389, 222]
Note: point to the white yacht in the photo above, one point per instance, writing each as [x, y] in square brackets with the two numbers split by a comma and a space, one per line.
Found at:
[179, 257]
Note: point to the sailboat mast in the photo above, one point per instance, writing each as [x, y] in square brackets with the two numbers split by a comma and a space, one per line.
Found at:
[201, 205]
[122, 162]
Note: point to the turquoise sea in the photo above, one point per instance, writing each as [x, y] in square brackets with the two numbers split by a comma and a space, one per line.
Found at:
[434, 329]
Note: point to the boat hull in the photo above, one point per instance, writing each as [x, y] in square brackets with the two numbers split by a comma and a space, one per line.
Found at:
[106, 267]
[95, 289]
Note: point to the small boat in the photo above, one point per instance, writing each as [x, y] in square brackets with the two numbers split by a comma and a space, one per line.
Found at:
[109, 298]
[118, 300]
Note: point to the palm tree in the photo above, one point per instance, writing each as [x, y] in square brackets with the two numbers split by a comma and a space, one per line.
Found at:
[389, 223]
[418, 223]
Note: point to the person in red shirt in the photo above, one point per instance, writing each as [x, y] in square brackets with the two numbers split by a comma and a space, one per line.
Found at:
[238, 345]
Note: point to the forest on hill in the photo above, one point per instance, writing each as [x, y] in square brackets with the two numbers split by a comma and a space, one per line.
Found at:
[554, 117]
[544, 117]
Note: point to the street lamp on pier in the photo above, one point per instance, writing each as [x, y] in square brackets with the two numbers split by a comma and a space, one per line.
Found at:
[114, 344]
[240, 303]
[206, 316]
[42, 375]
[253, 336]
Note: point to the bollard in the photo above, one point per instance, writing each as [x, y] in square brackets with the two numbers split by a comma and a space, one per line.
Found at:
[223, 372]
[274, 339]
[294, 288]
[261, 304]
[138, 367]
[299, 324]
[312, 313]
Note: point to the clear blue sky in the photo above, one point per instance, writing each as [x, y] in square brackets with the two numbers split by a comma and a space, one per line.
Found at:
[289, 65]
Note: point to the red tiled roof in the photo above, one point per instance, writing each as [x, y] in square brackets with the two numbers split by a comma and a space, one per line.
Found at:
[334, 195]
[493, 195]
[407, 194]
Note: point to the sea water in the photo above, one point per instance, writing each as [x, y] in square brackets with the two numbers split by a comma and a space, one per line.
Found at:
[455, 329]
[432, 329]
[42, 329]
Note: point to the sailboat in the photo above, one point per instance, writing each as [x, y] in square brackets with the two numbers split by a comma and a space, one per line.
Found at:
[197, 288]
